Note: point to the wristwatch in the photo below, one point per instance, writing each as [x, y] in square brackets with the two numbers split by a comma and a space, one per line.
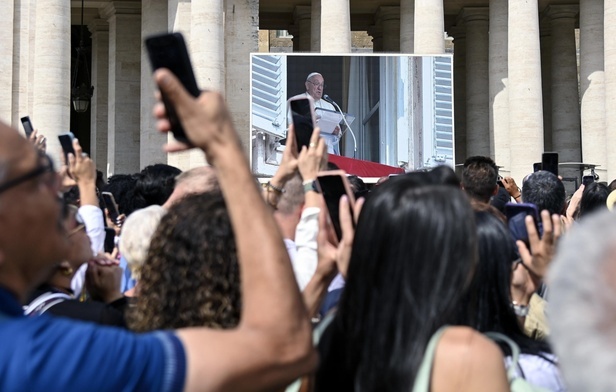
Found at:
[310, 185]
[520, 310]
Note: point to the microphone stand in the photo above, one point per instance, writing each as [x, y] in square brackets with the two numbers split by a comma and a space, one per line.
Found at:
[348, 127]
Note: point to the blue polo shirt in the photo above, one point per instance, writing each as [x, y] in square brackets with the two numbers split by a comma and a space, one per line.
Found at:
[47, 353]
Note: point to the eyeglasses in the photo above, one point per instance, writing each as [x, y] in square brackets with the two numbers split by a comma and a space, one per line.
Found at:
[45, 167]
[317, 85]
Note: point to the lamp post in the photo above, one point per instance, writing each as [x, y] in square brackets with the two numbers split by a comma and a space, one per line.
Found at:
[81, 95]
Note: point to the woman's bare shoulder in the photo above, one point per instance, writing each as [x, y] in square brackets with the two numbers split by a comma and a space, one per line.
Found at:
[466, 360]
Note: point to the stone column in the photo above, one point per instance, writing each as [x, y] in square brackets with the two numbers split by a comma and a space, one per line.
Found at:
[525, 106]
[389, 18]
[459, 90]
[99, 108]
[301, 17]
[566, 139]
[242, 33]
[477, 91]
[407, 25]
[179, 20]
[429, 28]
[6, 62]
[21, 61]
[498, 80]
[376, 32]
[315, 26]
[592, 86]
[609, 32]
[153, 21]
[335, 26]
[546, 80]
[207, 40]
[124, 19]
[52, 71]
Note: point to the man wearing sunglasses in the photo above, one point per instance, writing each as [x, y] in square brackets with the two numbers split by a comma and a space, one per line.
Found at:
[269, 349]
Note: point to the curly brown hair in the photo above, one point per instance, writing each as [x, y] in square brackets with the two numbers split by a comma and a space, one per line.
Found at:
[191, 275]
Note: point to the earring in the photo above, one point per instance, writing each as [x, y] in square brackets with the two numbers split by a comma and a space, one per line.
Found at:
[67, 271]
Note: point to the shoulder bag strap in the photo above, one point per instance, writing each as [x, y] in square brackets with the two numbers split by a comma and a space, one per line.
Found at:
[424, 374]
[43, 302]
[515, 351]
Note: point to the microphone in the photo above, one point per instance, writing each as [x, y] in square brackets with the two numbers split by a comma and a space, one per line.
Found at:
[326, 98]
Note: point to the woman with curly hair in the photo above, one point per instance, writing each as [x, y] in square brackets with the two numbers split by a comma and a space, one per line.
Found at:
[191, 275]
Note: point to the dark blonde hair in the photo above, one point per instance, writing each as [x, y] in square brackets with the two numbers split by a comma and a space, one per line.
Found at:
[191, 275]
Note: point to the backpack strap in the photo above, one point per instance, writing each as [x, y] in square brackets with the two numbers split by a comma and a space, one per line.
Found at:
[43, 302]
[513, 346]
[424, 374]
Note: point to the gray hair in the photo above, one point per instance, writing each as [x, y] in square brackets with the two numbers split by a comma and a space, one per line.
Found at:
[137, 233]
[582, 304]
[293, 196]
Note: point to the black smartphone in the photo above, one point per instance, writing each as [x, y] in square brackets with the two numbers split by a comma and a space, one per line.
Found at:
[111, 206]
[27, 124]
[66, 141]
[587, 180]
[169, 51]
[536, 167]
[109, 240]
[549, 162]
[516, 214]
[301, 110]
[333, 185]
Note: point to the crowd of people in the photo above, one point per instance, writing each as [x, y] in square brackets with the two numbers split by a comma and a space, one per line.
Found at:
[214, 282]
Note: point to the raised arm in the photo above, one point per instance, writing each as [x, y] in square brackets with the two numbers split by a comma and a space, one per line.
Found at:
[272, 345]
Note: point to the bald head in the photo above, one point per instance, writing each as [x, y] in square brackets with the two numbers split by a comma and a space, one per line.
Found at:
[193, 181]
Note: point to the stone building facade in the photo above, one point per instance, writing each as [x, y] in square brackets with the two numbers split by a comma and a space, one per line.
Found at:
[519, 89]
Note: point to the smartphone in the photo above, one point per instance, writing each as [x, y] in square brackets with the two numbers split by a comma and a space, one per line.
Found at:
[169, 51]
[66, 141]
[536, 167]
[333, 185]
[587, 180]
[109, 243]
[301, 110]
[111, 206]
[27, 124]
[516, 214]
[549, 162]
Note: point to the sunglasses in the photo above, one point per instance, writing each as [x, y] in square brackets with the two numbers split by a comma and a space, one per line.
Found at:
[45, 167]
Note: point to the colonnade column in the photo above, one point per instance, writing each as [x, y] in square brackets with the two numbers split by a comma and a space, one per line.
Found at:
[124, 86]
[52, 72]
[609, 31]
[154, 21]
[6, 62]
[22, 32]
[301, 17]
[525, 105]
[315, 26]
[429, 29]
[388, 17]
[335, 26]
[592, 85]
[407, 25]
[545, 32]
[499, 94]
[566, 138]
[99, 108]
[477, 91]
[458, 33]
[241, 31]
[376, 32]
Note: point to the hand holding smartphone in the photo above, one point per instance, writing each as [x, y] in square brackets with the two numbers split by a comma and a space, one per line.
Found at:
[333, 185]
[516, 214]
[169, 51]
[301, 110]
[111, 206]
